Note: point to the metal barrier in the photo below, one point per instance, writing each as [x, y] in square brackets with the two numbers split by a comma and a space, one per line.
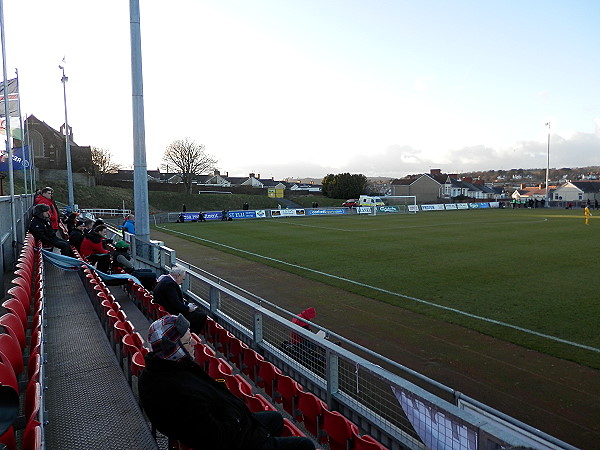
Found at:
[376, 393]
[8, 248]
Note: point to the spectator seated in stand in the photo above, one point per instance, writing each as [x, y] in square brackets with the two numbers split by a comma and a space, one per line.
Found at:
[42, 230]
[167, 293]
[77, 234]
[122, 257]
[92, 248]
[186, 404]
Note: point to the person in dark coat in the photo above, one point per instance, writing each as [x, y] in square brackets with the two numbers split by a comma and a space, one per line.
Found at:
[186, 404]
[167, 293]
[76, 235]
[42, 230]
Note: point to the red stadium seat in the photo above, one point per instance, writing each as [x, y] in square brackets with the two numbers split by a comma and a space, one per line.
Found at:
[10, 348]
[267, 374]
[310, 409]
[23, 283]
[366, 442]
[32, 436]
[236, 351]
[289, 429]
[338, 430]
[137, 364]
[8, 439]
[14, 323]
[286, 393]
[7, 376]
[23, 296]
[250, 363]
[32, 401]
[16, 307]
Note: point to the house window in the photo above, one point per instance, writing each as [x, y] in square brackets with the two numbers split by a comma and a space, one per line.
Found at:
[580, 196]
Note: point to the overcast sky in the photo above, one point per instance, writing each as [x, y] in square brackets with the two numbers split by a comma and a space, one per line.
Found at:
[302, 88]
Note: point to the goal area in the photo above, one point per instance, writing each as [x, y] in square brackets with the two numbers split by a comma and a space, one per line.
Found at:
[398, 204]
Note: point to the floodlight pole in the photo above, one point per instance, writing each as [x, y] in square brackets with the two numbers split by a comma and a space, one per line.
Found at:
[64, 80]
[548, 170]
[140, 171]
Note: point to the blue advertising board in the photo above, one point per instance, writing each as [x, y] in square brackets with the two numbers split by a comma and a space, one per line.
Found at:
[218, 215]
[325, 211]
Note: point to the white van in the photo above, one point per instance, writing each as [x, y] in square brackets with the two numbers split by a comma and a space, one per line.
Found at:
[367, 200]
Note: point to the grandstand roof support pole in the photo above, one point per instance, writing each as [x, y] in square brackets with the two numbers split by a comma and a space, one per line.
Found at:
[11, 179]
[140, 172]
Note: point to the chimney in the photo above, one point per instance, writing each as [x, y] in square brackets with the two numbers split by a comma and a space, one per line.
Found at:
[523, 186]
[467, 179]
[435, 172]
[542, 186]
[251, 175]
[216, 173]
[258, 176]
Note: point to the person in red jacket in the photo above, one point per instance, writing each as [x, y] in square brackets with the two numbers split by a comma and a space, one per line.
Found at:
[45, 198]
[307, 314]
[92, 248]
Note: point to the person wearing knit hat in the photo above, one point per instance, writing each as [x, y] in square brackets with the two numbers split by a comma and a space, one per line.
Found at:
[76, 235]
[41, 229]
[184, 403]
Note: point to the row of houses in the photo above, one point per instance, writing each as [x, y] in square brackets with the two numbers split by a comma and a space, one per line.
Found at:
[217, 180]
[435, 186]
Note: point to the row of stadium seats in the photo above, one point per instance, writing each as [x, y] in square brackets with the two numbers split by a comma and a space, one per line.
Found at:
[21, 337]
[328, 427]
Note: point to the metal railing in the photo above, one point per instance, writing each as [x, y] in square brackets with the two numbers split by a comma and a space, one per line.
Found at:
[8, 248]
[379, 395]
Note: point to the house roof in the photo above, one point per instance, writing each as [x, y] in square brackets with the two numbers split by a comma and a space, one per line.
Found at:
[591, 187]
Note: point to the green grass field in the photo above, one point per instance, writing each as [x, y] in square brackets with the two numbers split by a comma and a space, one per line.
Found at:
[534, 269]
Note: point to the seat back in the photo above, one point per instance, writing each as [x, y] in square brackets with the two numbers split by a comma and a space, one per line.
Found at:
[14, 306]
[10, 347]
[338, 430]
[310, 411]
[366, 442]
[14, 323]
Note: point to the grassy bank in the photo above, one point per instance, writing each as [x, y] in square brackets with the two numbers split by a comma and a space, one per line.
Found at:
[114, 198]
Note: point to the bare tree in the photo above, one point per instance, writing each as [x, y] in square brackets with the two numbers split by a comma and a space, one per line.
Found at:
[189, 159]
[102, 163]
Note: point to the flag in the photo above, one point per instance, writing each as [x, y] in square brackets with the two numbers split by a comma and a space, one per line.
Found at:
[12, 87]
[436, 428]
[68, 263]
[20, 159]
[15, 126]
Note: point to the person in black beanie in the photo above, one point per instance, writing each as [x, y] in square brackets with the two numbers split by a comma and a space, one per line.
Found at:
[186, 404]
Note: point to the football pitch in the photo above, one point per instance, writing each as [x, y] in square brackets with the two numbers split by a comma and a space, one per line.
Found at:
[529, 276]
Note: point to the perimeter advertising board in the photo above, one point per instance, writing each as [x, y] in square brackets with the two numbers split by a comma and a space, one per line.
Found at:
[325, 211]
[288, 213]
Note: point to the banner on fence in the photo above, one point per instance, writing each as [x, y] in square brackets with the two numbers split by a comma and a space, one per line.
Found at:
[388, 209]
[439, 207]
[325, 211]
[287, 212]
[436, 428]
[451, 206]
